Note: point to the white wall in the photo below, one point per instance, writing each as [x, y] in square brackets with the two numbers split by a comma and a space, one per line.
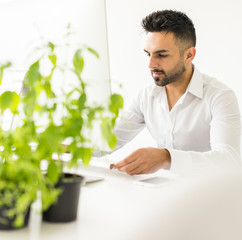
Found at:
[27, 24]
[219, 38]
[24, 22]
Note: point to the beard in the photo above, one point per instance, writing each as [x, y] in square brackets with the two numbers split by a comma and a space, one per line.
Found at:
[169, 77]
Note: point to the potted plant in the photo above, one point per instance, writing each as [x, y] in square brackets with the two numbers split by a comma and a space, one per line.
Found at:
[20, 174]
[45, 118]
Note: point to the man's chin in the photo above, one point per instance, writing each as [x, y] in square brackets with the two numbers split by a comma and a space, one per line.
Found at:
[159, 82]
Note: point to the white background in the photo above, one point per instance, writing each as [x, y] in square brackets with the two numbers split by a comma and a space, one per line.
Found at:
[27, 24]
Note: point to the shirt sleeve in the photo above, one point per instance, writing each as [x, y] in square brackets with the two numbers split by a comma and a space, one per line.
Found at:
[225, 134]
[130, 122]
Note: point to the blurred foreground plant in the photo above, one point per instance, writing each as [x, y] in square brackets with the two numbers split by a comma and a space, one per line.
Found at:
[45, 116]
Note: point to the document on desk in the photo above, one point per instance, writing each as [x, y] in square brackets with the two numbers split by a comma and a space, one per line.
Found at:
[154, 180]
[102, 162]
[92, 179]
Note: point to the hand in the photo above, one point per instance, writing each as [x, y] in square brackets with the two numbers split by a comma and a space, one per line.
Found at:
[144, 160]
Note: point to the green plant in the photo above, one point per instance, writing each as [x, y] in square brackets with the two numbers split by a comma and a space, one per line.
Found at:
[45, 119]
[20, 173]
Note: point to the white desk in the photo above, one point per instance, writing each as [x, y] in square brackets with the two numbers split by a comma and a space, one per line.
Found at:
[116, 209]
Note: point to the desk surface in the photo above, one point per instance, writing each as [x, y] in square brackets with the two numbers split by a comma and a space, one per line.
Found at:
[116, 209]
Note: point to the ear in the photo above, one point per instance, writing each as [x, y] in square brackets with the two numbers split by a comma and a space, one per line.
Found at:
[189, 54]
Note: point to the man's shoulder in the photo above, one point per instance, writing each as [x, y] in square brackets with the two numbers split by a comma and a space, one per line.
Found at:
[214, 83]
[211, 82]
[208, 88]
[214, 89]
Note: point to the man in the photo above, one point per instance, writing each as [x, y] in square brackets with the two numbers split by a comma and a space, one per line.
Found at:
[194, 119]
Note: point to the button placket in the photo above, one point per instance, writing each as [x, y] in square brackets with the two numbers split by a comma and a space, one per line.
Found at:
[169, 138]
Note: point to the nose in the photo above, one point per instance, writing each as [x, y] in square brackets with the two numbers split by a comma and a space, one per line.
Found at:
[153, 63]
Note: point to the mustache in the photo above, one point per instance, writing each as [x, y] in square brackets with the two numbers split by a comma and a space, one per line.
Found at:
[157, 70]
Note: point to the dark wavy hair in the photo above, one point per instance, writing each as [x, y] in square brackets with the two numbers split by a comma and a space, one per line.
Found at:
[170, 21]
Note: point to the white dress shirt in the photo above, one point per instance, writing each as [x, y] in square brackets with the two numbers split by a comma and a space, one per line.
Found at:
[202, 129]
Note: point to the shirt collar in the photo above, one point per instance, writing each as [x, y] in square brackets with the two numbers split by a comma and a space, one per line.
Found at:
[157, 90]
[195, 86]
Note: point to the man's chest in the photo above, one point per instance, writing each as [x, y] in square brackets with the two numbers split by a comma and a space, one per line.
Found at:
[186, 126]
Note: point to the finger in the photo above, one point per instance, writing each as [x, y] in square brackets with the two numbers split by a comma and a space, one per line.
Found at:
[126, 161]
[136, 170]
[129, 167]
[141, 168]
[111, 166]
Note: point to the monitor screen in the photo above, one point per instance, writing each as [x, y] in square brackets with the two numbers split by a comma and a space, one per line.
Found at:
[25, 24]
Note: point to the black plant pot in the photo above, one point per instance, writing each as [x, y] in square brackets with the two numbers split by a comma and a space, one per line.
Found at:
[66, 208]
[7, 223]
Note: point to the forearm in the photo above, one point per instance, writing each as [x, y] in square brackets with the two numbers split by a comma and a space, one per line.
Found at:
[188, 162]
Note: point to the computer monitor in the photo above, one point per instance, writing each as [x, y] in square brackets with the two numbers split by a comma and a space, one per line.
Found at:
[25, 23]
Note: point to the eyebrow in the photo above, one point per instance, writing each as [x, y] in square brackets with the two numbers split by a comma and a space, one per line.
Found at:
[158, 51]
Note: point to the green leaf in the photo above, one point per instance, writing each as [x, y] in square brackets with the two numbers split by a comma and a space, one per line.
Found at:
[81, 101]
[2, 67]
[51, 139]
[6, 65]
[51, 46]
[19, 221]
[116, 103]
[82, 153]
[29, 101]
[86, 155]
[9, 100]
[53, 172]
[22, 144]
[91, 50]
[91, 115]
[47, 89]
[1, 75]
[107, 132]
[33, 75]
[53, 59]
[78, 61]
[49, 196]
[73, 126]
[24, 200]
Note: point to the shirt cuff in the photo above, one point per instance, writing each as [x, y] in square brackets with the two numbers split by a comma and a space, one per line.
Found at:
[181, 162]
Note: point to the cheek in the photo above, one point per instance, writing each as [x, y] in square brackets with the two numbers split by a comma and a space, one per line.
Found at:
[172, 63]
[167, 64]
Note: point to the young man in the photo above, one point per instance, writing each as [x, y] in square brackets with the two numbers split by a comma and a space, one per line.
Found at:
[194, 119]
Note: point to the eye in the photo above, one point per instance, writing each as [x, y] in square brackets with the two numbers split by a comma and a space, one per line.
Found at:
[162, 56]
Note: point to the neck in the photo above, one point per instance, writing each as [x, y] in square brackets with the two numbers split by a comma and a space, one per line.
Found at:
[179, 87]
[175, 90]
